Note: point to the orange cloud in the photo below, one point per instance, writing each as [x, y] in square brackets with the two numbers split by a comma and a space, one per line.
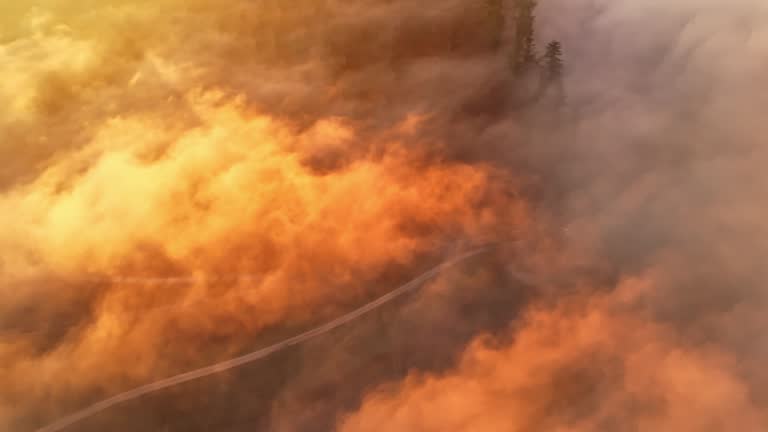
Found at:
[230, 196]
[582, 365]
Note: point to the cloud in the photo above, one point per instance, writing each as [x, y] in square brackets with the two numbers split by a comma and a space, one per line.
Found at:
[227, 197]
[331, 151]
[658, 173]
[142, 153]
[581, 365]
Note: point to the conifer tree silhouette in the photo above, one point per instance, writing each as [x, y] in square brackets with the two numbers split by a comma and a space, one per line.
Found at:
[553, 61]
[524, 51]
[496, 21]
[553, 72]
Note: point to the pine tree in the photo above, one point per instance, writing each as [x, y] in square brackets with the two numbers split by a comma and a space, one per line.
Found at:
[524, 55]
[496, 21]
[553, 61]
[553, 72]
[529, 50]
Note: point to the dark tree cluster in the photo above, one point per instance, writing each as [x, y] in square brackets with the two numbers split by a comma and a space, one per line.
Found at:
[496, 22]
[524, 57]
[524, 44]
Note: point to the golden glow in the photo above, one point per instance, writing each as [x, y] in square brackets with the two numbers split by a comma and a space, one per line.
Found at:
[125, 163]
